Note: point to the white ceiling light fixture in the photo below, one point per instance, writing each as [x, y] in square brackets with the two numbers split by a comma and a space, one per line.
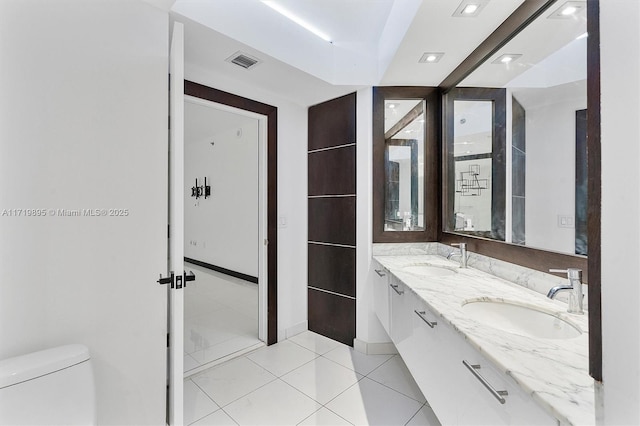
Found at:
[470, 8]
[568, 10]
[291, 16]
[506, 59]
[430, 57]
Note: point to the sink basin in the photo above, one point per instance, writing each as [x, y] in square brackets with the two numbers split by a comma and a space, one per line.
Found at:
[519, 319]
[428, 270]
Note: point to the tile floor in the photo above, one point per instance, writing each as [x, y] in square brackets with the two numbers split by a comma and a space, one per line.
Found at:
[220, 317]
[306, 380]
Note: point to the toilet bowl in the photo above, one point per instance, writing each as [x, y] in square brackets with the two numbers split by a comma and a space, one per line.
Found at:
[50, 387]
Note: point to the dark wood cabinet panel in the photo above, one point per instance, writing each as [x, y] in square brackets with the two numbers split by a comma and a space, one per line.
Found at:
[333, 220]
[332, 172]
[333, 268]
[332, 316]
[333, 123]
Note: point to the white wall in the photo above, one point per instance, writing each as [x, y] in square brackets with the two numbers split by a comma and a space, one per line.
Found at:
[550, 169]
[222, 229]
[292, 195]
[368, 327]
[83, 125]
[620, 86]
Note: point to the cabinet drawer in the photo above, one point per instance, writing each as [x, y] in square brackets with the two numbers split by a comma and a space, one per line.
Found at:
[401, 310]
[480, 402]
[430, 356]
[381, 295]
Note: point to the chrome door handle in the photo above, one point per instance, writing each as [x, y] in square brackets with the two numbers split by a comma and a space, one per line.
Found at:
[431, 324]
[395, 288]
[380, 272]
[499, 395]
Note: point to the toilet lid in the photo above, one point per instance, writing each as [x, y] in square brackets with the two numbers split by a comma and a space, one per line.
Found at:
[30, 366]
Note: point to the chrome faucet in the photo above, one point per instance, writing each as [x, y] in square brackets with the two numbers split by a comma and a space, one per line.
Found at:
[575, 285]
[463, 254]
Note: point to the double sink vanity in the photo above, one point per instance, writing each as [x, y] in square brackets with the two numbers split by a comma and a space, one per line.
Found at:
[484, 344]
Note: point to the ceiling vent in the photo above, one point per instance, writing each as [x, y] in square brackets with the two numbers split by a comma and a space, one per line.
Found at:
[243, 60]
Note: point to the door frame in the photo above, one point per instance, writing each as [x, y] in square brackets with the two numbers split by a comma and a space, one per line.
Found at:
[200, 91]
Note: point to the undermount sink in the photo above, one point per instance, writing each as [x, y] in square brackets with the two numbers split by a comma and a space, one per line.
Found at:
[428, 270]
[519, 319]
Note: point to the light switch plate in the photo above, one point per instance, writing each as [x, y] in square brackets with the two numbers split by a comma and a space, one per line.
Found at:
[565, 221]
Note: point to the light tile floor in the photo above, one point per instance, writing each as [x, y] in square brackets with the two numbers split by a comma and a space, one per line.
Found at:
[220, 317]
[307, 380]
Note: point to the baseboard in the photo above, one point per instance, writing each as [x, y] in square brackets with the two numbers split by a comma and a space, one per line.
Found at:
[222, 270]
[375, 348]
[296, 329]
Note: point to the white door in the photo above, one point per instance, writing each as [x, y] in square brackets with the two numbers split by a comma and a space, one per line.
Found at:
[176, 224]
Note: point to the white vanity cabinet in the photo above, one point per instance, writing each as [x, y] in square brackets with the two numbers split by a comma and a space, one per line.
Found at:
[401, 302]
[428, 355]
[381, 295]
[434, 353]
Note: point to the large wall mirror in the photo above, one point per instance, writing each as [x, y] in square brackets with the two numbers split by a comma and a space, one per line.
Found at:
[404, 130]
[544, 61]
[515, 139]
[405, 164]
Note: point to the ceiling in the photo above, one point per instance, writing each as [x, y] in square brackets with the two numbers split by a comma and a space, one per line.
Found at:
[373, 42]
[553, 52]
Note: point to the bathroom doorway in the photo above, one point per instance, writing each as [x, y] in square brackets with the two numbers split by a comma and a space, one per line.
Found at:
[226, 227]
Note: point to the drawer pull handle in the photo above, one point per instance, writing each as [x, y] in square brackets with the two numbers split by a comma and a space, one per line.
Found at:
[395, 288]
[421, 315]
[380, 272]
[496, 393]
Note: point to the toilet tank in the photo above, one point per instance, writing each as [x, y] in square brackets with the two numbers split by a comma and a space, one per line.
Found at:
[50, 387]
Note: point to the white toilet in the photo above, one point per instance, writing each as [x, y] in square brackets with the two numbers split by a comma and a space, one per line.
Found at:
[50, 387]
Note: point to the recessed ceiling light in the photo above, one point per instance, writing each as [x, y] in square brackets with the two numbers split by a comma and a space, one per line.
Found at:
[304, 24]
[430, 57]
[470, 8]
[392, 106]
[507, 58]
[568, 10]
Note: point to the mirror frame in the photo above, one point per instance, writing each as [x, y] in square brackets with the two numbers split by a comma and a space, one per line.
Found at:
[431, 167]
[538, 259]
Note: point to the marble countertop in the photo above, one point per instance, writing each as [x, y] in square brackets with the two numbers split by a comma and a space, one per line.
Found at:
[555, 372]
